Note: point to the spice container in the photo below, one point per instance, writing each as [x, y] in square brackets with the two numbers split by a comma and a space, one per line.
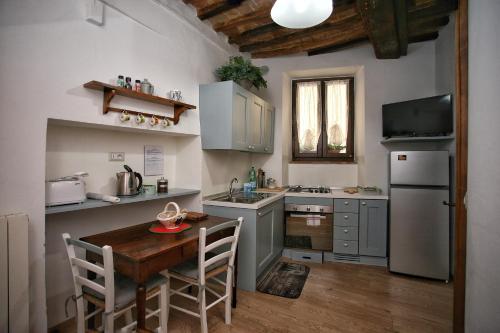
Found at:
[120, 82]
[128, 82]
[137, 86]
[162, 185]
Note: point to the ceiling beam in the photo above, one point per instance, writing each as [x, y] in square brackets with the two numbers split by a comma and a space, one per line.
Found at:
[215, 9]
[381, 23]
[338, 46]
[423, 38]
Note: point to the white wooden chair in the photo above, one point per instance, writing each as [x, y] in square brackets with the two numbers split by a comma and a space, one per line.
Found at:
[207, 266]
[112, 294]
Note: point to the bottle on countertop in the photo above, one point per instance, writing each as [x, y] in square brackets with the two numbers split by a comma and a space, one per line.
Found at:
[137, 86]
[120, 82]
[253, 178]
[128, 82]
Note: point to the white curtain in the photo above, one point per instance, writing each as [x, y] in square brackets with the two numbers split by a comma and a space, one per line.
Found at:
[308, 116]
[337, 94]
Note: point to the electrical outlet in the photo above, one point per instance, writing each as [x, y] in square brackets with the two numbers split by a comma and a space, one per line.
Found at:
[117, 156]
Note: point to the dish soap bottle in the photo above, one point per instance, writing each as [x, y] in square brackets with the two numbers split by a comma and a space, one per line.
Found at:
[253, 178]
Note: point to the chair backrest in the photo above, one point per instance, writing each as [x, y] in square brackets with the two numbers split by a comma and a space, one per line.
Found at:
[81, 266]
[227, 256]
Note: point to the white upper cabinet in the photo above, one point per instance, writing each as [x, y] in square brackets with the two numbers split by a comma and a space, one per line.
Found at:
[232, 118]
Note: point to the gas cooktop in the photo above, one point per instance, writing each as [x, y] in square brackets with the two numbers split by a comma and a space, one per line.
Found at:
[311, 189]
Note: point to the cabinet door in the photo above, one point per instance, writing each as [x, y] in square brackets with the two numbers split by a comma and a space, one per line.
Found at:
[264, 239]
[242, 103]
[373, 228]
[255, 126]
[269, 129]
[278, 228]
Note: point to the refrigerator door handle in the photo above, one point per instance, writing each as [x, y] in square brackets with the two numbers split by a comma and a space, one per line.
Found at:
[451, 204]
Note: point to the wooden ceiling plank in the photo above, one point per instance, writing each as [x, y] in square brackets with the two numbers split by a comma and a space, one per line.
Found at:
[440, 8]
[259, 17]
[379, 18]
[274, 31]
[314, 42]
[338, 46]
[339, 27]
[217, 8]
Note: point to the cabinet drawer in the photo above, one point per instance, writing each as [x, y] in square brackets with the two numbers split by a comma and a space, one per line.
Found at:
[345, 219]
[345, 233]
[316, 257]
[345, 246]
[346, 205]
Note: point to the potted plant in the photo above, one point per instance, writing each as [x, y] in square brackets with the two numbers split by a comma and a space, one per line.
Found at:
[243, 72]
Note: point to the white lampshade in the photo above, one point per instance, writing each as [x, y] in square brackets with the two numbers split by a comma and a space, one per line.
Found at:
[299, 14]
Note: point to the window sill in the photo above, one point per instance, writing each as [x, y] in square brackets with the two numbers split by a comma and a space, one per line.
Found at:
[322, 162]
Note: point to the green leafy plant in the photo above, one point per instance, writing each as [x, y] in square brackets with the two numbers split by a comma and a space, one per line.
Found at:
[335, 147]
[240, 69]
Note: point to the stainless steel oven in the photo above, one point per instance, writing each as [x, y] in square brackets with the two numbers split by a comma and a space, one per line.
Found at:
[309, 227]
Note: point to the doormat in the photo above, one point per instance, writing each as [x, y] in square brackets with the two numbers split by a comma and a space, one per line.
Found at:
[285, 280]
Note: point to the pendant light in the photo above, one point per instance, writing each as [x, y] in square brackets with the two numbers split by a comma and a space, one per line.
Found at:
[300, 14]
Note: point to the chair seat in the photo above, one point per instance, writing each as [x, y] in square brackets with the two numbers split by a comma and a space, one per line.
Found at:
[189, 268]
[125, 289]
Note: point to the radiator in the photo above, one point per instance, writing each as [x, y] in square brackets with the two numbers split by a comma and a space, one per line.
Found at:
[14, 278]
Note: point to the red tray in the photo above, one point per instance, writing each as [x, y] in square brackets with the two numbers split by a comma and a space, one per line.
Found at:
[158, 228]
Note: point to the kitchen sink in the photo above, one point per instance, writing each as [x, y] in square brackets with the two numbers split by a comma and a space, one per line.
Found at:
[245, 198]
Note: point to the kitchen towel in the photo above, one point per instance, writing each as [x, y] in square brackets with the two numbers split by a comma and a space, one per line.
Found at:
[103, 197]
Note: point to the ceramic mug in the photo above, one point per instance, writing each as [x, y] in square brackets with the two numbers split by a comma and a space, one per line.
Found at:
[154, 121]
[165, 122]
[124, 116]
[140, 119]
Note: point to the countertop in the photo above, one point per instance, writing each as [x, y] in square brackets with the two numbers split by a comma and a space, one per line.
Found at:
[335, 194]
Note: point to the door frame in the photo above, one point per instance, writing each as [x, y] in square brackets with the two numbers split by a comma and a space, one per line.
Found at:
[461, 57]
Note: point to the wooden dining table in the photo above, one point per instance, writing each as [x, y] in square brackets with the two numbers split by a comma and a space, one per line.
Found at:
[140, 254]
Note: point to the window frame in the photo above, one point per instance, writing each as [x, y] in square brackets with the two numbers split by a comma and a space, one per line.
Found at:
[322, 154]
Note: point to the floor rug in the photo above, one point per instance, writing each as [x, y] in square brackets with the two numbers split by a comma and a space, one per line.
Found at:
[285, 280]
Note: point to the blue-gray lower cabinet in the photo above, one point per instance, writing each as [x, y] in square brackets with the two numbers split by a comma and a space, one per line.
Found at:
[373, 228]
[261, 239]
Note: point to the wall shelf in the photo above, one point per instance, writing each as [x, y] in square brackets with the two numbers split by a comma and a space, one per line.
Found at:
[110, 91]
[91, 203]
[418, 139]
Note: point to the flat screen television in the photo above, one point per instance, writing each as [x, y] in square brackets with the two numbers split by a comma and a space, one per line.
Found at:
[432, 116]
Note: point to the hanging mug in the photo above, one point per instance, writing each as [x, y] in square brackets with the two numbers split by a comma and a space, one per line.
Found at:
[140, 119]
[165, 122]
[154, 121]
[124, 116]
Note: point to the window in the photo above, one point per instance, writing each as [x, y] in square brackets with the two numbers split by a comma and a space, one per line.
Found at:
[323, 119]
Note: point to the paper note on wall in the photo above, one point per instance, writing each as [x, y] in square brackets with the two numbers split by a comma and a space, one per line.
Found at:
[153, 161]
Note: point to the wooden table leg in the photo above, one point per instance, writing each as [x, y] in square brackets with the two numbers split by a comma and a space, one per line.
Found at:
[140, 299]
[235, 280]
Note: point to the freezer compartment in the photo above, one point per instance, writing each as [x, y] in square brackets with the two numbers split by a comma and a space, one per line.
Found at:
[424, 168]
[419, 232]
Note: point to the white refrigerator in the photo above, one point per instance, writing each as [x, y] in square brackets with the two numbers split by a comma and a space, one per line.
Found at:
[419, 214]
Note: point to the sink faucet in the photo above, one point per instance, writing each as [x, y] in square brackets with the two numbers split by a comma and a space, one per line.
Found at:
[234, 180]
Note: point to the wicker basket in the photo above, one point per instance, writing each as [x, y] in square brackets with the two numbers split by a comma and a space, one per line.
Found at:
[171, 218]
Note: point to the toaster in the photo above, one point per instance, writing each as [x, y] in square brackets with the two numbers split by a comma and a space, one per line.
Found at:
[65, 190]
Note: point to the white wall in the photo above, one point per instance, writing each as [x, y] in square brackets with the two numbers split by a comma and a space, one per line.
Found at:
[385, 81]
[483, 227]
[47, 51]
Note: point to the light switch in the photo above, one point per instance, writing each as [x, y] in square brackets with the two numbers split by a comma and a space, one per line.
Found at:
[117, 156]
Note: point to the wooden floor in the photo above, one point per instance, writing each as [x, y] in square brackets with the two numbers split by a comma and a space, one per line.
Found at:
[337, 298]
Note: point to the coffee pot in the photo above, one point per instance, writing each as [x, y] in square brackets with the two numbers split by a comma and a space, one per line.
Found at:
[129, 182]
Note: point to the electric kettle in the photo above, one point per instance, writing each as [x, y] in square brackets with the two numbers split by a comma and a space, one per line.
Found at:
[129, 182]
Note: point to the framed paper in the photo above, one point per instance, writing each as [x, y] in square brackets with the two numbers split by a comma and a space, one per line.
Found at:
[153, 160]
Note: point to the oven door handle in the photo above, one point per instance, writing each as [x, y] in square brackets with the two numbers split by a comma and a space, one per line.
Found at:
[305, 216]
